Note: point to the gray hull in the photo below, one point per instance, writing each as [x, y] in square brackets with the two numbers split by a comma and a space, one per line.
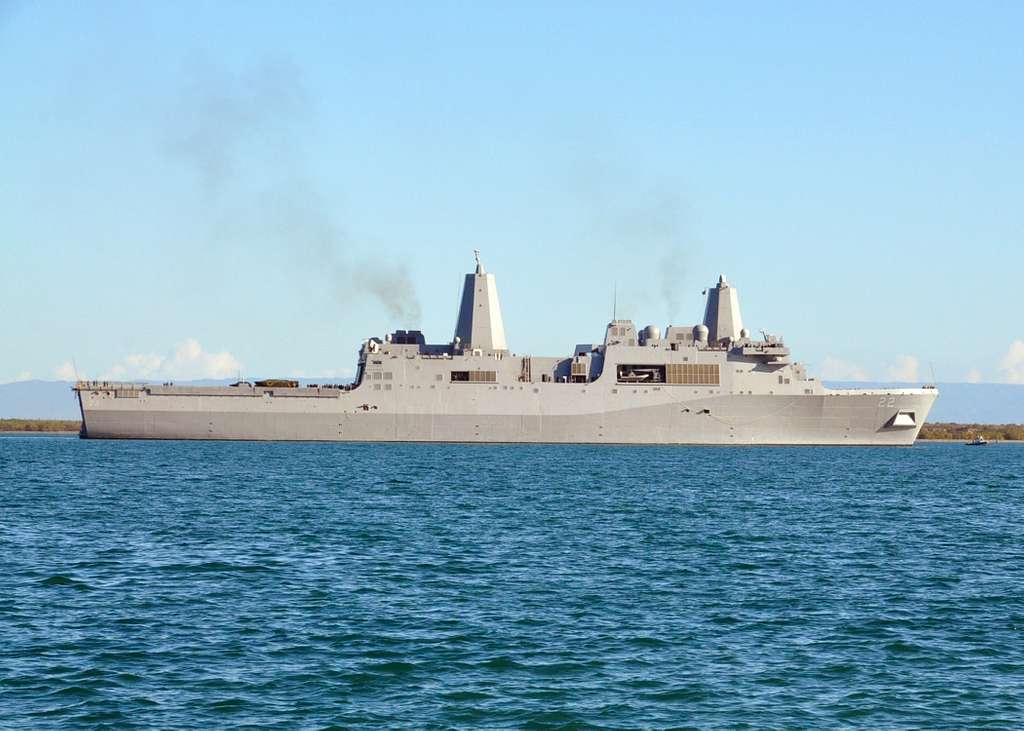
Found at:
[834, 417]
[707, 384]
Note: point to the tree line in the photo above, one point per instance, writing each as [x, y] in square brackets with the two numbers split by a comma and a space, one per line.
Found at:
[992, 432]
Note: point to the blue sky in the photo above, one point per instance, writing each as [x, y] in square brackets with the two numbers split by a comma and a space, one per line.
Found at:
[193, 189]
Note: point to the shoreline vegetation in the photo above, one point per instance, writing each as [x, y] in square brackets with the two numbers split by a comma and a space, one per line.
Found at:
[939, 431]
[39, 425]
[965, 432]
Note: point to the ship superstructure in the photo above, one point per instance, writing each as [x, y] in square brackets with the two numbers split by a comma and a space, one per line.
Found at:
[706, 384]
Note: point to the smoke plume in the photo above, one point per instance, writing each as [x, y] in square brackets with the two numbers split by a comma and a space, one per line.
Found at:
[643, 219]
[230, 129]
[218, 114]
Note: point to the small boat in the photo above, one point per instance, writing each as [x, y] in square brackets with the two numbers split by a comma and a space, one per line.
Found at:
[978, 441]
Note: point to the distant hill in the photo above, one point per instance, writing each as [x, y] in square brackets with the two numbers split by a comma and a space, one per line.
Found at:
[38, 400]
[964, 403]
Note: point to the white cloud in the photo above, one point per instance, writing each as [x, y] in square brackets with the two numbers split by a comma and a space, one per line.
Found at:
[23, 376]
[187, 361]
[837, 369]
[1012, 364]
[904, 369]
[66, 372]
[973, 376]
[144, 363]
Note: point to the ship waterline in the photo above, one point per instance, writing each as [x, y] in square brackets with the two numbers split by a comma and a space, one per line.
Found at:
[706, 384]
[837, 418]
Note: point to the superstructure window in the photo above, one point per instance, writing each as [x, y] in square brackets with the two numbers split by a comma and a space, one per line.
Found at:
[627, 373]
[474, 376]
[693, 374]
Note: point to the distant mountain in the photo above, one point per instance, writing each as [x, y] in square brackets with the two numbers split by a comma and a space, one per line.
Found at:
[965, 403]
[971, 403]
[38, 400]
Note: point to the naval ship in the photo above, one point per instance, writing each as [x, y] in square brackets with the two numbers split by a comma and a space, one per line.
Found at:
[710, 383]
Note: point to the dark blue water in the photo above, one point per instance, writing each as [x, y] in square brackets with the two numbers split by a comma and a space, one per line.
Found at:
[185, 585]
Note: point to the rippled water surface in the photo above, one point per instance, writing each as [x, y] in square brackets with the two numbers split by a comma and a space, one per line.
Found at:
[183, 585]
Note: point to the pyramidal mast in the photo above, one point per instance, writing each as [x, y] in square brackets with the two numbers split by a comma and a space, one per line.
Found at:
[480, 326]
[722, 314]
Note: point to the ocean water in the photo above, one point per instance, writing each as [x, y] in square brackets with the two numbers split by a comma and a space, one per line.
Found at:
[186, 585]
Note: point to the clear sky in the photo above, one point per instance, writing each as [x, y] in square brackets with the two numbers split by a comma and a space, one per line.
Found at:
[192, 189]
